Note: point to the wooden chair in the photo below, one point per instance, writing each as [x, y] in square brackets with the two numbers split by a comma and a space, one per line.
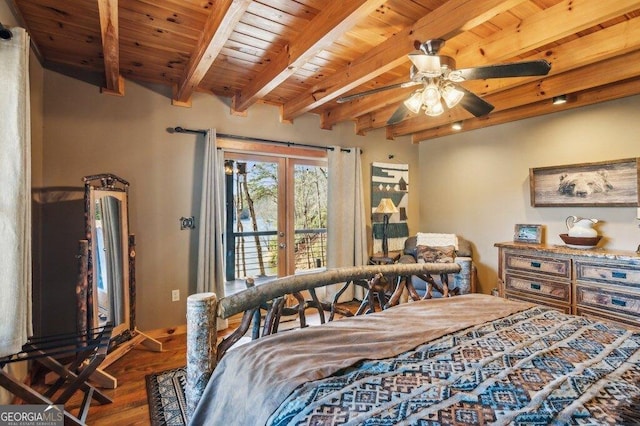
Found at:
[88, 351]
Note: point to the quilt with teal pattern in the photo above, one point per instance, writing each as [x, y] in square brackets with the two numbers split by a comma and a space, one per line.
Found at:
[536, 367]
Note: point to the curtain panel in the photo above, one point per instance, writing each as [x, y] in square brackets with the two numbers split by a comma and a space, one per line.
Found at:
[15, 197]
[346, 220]
[210, 274]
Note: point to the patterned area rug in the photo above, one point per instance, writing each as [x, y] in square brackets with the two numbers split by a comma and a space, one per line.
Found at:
[165, 393]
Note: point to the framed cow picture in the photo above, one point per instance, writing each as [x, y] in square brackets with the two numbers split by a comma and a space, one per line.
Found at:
[603, 184]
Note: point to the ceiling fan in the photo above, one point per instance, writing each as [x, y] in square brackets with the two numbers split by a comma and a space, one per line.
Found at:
[438, 78]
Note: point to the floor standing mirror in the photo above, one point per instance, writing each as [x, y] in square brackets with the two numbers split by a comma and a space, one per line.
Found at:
[106, 284]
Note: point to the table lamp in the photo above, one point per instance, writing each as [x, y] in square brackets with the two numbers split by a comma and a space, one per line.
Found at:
[386, 208]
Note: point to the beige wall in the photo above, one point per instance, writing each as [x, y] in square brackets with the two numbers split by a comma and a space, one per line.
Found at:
[477, 183]
[88, 133]
[474, 183]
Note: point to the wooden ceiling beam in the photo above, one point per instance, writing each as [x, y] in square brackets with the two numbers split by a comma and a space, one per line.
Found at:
[587, 97]
[591, 76]
[451, 18]
[219, 26]
[619, 39]
[332, 22]
[549, 25]
[374, 119]
[114, 83]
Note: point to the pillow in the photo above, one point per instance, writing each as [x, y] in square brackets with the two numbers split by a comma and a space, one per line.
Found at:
[435, 254]
[436, 240]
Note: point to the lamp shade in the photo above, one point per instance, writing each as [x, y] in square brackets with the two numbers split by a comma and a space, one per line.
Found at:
[386, 206]
[414, 103]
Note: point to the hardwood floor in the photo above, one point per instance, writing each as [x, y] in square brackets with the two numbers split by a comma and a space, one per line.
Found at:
[129, 406]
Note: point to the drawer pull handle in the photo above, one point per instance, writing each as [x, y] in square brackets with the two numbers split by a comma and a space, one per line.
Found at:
[535, 286]
[619, 302]
[621, 275]
[535, 264]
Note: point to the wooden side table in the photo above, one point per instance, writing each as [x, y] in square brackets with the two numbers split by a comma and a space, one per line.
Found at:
[380, 259]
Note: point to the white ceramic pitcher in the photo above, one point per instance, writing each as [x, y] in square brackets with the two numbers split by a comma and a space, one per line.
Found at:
[581, 227]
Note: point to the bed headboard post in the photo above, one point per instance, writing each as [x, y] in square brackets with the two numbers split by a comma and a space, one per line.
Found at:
[201, 345]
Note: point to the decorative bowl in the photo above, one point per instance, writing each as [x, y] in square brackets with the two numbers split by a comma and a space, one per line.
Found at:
[580, 242]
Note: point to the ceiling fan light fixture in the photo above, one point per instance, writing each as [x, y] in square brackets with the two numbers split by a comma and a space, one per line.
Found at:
[434, 110]
[451, 95]
[431, 95]
[414, 103]
[427, 65]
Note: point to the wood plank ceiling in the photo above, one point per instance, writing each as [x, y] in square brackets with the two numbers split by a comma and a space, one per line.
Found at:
[302, 55]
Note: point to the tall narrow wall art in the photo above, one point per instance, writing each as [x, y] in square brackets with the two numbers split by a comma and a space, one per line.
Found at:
[390, 180]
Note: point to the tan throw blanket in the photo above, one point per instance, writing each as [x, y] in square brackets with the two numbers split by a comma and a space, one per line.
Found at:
[253, 380]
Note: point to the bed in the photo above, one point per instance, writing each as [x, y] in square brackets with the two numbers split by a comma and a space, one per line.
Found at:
[469, 359]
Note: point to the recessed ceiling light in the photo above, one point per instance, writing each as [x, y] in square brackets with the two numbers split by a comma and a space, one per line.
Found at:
[457, 125]
[559, 100]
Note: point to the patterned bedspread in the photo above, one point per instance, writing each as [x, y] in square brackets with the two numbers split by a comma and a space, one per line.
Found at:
[535, 367]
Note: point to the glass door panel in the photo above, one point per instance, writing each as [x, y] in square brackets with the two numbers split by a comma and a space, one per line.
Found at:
[255, 230]
[310, 215]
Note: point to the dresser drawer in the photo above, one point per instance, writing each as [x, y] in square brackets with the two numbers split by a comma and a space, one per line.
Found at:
[608, 299]
[625, 321]
[560, 291]
[626, 275]
[558, 267]
[523, 298]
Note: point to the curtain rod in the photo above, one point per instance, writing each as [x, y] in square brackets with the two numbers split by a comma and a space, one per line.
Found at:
[179, 129]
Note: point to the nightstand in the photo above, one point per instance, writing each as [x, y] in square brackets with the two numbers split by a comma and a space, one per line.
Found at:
[380, 259]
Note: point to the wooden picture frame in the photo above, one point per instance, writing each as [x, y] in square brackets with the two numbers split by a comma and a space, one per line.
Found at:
[603, 184]
[527, 233]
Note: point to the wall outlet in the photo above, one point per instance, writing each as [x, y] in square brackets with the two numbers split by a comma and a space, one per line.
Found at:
[175, 295]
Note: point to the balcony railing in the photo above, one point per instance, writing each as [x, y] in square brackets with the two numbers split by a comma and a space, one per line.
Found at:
[255, 254]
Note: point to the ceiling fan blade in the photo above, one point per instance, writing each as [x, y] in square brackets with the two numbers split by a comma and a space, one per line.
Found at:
[400, 114]
[377, 90]
[516, 69]
[474, 103]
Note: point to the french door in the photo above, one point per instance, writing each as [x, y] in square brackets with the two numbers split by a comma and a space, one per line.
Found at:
[276, 215]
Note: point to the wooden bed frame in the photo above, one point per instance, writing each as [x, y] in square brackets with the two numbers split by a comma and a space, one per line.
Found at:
[203, 349]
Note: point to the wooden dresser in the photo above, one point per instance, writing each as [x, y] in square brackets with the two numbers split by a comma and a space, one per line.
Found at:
[599, 283]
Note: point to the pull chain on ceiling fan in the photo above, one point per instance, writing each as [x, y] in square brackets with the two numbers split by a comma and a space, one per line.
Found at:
[439, 80]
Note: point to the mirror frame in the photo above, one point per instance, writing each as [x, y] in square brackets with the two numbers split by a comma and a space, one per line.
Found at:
[97, 186]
